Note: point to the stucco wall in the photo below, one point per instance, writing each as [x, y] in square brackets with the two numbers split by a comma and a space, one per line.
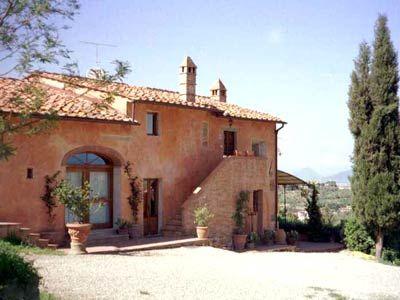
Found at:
[176, 157]
[220, 190]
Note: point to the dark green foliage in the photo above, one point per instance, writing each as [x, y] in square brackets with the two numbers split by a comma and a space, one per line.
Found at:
[376, 156]
[77, 199]
[18, 278]
[314, 220]
[13, 239]
[326, 233]
[48, 197]
[134, 198]
[357, 237]
[239, 216]
[30, 39]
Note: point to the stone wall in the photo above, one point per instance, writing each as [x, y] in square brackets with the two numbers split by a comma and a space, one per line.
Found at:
[220, 190]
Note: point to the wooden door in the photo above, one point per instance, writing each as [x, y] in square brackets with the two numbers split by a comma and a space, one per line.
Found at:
[229, 142]
[150, 211]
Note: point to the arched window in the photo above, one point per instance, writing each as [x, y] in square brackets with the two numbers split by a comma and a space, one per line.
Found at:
[97, 171]
[87, 159]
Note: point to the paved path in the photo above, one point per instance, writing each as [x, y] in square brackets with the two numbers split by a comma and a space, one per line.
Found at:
[210, 273]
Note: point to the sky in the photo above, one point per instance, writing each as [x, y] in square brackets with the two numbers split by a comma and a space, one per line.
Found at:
[292, 59]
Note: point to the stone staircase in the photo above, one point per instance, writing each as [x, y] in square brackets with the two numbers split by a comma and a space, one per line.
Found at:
[173, 227]
[105, 237]
[31, 238]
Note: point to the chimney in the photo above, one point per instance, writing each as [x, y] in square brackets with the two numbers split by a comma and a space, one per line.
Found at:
[218, 91]
[187, 80]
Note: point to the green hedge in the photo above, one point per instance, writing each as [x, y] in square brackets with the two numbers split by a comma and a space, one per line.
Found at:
[323, 234]
[18, 278]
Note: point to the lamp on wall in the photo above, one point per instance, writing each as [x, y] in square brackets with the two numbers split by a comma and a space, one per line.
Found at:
[230, 122]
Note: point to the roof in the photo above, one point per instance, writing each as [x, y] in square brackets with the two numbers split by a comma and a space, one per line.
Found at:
[161, 96]
[15, 98]
[188, 62]
[285, 178]
[218, 85]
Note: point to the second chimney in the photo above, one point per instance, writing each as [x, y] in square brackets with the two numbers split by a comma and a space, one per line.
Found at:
[218, 91]
[187, 80]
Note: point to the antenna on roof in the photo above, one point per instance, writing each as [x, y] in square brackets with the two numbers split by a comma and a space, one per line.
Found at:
[97, 45]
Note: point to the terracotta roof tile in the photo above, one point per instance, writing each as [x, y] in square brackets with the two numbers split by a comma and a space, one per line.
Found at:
[64, 103]
[148, 94]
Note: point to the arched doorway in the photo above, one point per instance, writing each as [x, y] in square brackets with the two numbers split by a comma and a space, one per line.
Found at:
[98, 171]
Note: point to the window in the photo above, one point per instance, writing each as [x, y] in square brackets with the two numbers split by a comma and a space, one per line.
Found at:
[259, 149]
[152, 126]
[229, 142]
[87, 159]
[204, 134]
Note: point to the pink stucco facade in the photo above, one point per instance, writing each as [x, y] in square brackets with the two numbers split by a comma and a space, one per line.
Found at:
[181, 157]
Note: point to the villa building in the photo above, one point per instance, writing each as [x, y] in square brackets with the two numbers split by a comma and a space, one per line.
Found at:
[186, 150]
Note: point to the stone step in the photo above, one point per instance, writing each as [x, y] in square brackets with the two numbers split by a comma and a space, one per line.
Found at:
[172, 233]
[106, 239]
[50, 235]
[52, 246]
[7, 228]
[102, 232]
[33, 238]
[146, 246]
[24, 233]
[42, 243]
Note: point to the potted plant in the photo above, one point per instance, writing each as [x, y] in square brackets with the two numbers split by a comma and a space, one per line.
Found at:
[292, 237]
[252, 239]
[123, 226]
[78, 201]
[202, 216]
[269, 237]
[239, 217]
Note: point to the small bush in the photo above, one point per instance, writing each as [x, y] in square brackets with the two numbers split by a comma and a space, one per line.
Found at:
[391, 255]
[357, 237]
[202, 216]
[13, 239]
[268, 236]
[18, 278]
[253, 237]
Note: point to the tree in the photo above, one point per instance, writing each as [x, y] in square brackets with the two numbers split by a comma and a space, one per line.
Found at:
[376, 160]
[29, 39]
[314, 213]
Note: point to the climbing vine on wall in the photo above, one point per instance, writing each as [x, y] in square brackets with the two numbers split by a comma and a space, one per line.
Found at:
[134, 198]
[48, 197]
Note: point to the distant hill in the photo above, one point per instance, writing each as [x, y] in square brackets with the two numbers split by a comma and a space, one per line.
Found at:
[308, 174]
[341, 177]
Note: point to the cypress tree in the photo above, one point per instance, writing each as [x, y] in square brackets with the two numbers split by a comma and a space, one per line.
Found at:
[376, 153]
[360, 106]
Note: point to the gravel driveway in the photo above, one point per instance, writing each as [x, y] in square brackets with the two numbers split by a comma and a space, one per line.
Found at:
[210, 273]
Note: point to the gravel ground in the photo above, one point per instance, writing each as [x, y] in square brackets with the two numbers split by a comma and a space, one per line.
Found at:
[210, 273]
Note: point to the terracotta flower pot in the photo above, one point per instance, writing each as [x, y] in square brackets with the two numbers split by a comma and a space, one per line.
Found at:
[79, 234]
[280, 237]
[202, 232]
[239, 241]
[134, 231]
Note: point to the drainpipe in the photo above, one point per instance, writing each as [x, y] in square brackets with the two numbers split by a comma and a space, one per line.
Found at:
[276, 174]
